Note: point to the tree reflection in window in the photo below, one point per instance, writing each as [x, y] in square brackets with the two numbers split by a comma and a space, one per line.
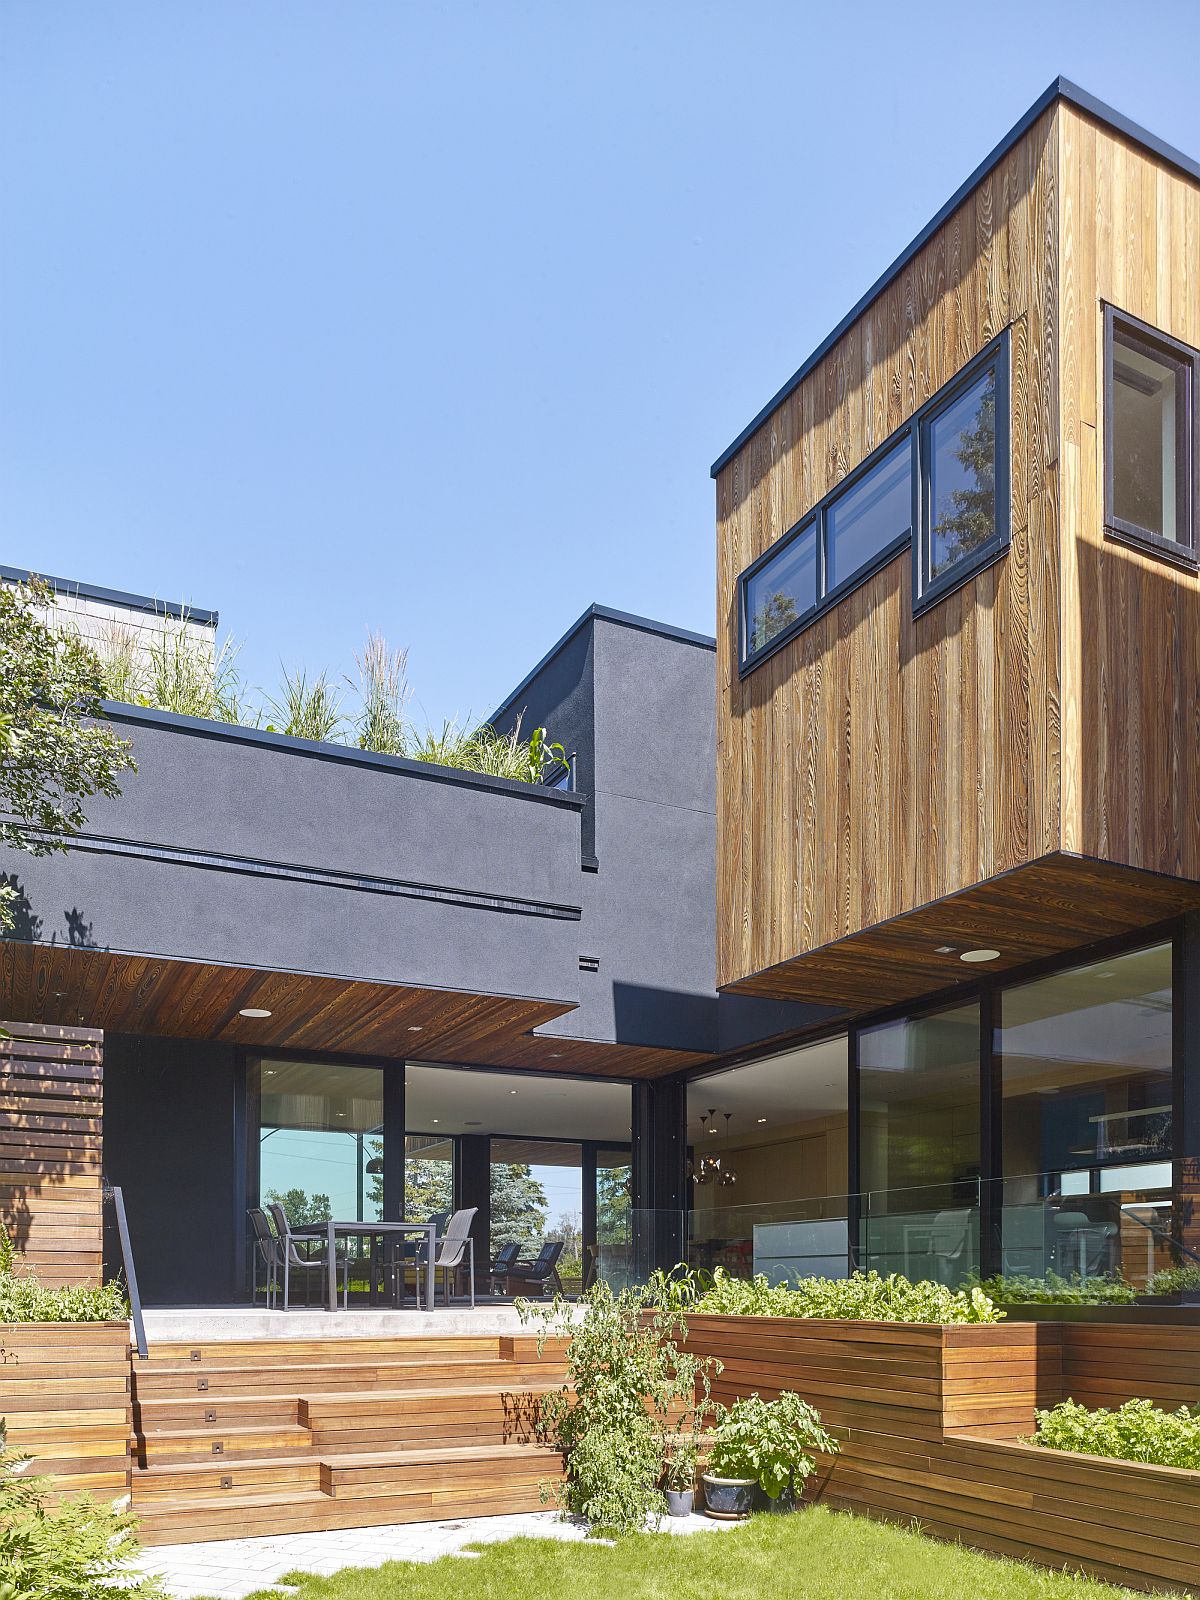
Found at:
[962, 475]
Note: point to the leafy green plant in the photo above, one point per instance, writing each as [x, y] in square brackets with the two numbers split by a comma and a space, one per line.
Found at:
[1175, 1280]
[861, 1296]
[56, 751]
[24, 1299]
[306, 710]
[775, 1442]
[1136, 1431]
[1016, 1288]
[77, 1550]
[187, 675]
[682, 1450]
[628, 1379]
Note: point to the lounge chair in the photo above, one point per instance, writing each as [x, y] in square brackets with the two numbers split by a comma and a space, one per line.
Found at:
[534, 1277]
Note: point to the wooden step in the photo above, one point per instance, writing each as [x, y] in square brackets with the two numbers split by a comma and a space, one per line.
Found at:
[173, 1445]
[510, 1467]
[280, 1375]
[191, 1480]
[195, 1411]
[231, 1352]
[484, 1415]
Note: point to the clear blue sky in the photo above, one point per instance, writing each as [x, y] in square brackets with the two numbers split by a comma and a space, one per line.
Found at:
[432, 317]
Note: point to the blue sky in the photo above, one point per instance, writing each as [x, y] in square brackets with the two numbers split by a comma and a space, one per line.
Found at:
[431, 318]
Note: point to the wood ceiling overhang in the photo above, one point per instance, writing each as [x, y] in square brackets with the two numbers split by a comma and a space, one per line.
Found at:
[1046, 908]
[128, 993]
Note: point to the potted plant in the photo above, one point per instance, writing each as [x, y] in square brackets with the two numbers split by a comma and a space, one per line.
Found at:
[764, 1445]
[679, 1473]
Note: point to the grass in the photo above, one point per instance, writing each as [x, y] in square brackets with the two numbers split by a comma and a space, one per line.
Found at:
[815, 1555]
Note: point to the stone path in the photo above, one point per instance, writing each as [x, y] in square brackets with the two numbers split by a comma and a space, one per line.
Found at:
[229, 1569]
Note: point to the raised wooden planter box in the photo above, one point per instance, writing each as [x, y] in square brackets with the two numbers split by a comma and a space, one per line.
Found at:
[64, 1390]
[930, 1421]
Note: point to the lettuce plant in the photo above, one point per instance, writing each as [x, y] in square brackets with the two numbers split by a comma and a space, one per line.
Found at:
[1136, 1431]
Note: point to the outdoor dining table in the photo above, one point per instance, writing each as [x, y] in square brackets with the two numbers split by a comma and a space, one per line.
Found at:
[370, 1230]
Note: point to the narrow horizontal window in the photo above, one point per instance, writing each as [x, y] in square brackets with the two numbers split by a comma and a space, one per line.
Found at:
[1149, 388]
[780, 591]
[872, 514]
[964, 448]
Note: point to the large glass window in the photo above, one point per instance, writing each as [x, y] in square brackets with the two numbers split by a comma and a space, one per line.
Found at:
[321, 1140]
[537, 1198]
[1085, 1060]
[919, 1144]
[782, 590]
[1148, 383]
[428, 1177]
[871, 514]
[964, 444]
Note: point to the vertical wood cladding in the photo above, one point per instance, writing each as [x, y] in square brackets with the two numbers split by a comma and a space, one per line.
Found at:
[1130, 236]
[877, 763]
[51, 1085]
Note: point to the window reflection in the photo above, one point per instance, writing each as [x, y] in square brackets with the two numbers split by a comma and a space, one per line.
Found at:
[962, 475]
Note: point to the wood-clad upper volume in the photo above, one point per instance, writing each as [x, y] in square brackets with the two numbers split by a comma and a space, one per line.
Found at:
[878, 765]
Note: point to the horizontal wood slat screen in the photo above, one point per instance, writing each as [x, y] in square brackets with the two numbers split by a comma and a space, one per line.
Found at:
[930, 1422]
[51, 1107]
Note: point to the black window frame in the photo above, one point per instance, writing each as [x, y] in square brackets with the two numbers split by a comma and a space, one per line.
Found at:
[926, 590]
[1182, 551]
[996, 353]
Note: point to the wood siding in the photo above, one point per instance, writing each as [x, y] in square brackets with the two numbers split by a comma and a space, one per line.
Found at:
[876, 763]
[51, 1104]
[878, 769]
[64, 1390]
[1130, 236]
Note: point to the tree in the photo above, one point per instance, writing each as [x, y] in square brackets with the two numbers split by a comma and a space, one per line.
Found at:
[777, 612]
[613, 1204]
[518, 1206]
[972, 520]
[55, 749]
[301, 1208]
[428, 1184]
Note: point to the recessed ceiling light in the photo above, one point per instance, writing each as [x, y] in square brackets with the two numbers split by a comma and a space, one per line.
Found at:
[435, 1119]
[943, 950]
[341, 1113]
[512, 1091]
[980, 955]
[253, 1011]
[556, 1055]
[270, 1072]
[762, 1119]
[415, 1028]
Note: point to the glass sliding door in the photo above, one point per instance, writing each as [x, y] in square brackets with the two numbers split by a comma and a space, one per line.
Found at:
[537, 1199]
[1086, 1080]
[320, 1140]
[428, 1177]
[919, 1145]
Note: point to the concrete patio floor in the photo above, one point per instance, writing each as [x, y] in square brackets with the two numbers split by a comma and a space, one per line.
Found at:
[230, 1569]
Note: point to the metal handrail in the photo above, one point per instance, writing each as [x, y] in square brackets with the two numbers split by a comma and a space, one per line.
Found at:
[112, 1192]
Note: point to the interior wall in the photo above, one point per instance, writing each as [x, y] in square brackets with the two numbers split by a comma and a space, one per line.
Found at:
[170, 1143]
[805, 1161]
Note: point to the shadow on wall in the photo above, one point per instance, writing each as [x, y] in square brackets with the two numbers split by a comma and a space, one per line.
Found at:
[672, 1019]
[28, 928]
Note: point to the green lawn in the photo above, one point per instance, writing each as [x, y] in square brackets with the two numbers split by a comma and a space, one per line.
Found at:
[814, 1555]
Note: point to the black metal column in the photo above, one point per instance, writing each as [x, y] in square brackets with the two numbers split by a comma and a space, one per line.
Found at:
[659, 1175]
[991, 1154]
[1185, 1011]
[473, 1188]
[393, 1141]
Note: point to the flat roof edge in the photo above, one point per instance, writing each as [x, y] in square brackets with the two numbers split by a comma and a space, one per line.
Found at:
[599, 613]
[1060, 89]
[117, 711]
[113, 597]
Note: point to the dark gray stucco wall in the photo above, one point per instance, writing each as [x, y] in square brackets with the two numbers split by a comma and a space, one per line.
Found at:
[169, 1117]
[276, 855]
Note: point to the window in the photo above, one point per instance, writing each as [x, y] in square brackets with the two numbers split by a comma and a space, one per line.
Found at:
[869, 515]
[964, 448]
[1150, 452]
[780, 589]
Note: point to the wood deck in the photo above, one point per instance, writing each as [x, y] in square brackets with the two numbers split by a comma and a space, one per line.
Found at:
[236, 1438]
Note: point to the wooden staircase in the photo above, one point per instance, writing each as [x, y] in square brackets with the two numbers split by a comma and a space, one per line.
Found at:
[276, 1436]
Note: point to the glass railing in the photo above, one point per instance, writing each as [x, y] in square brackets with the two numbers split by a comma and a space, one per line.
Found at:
[1133, 1222]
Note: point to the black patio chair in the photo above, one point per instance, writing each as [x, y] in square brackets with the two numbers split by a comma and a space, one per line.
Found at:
[503, 1262]
[535, 1277]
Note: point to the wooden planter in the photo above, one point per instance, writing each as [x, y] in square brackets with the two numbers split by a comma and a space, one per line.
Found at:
[930, 1422]
[64, 1391]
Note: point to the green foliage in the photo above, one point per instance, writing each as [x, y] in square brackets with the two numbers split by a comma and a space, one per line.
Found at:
[519, 1206]
[1175, 1280]
[862, 1296]
[681, 1452]
[24, 1299]
[970, 519]
[1136, 1431]
[186, 675]
[775, 1442]
[777, 612]
[1016, 1289]
[301, 1208]
[56, 752]
[73, 1551]
[383, 687]
[628, 1385]
[306, 710]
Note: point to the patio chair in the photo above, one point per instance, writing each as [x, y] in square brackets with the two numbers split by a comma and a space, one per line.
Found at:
[535, 1276]
[950, 1243]
[266, 1250]
[453, 1245]
[502, 1262]
[294, 1260]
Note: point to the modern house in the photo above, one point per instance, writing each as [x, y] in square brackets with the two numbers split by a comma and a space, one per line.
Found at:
[878, 946]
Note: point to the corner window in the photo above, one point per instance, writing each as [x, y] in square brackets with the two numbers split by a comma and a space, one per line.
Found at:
[964, 446]
[1149, 384]
[780, 589]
